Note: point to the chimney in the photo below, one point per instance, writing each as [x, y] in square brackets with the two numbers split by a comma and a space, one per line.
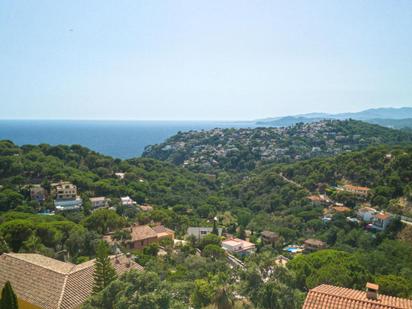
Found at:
[372, 291]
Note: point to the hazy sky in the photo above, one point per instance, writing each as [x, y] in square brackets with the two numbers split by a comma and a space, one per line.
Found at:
[202, 59]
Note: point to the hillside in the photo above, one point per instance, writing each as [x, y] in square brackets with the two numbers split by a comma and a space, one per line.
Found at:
[146, 180]
[386, 170]
[246, 149]
[388, 117]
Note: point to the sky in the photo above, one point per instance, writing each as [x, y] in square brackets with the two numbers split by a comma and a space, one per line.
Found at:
[202, 60]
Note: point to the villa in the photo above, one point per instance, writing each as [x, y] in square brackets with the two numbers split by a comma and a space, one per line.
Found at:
[238, 246]
[366, 214]
[200, 232]
[381, 221]
[143, 235]
[99, 202]
[362, 191]
[66, 197]
[313, 244]
[127, 201]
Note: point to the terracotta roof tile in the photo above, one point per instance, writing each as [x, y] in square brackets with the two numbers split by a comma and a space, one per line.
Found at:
[52, 284]
[140, 232]
[333, 297]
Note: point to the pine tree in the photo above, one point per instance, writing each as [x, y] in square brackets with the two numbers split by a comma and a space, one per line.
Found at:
[8, 297]
[104, 272]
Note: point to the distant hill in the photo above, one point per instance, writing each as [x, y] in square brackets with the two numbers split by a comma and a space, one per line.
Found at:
[391, 117]
[246, 149]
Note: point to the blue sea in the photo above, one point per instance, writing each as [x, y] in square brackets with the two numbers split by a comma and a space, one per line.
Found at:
[119, 139]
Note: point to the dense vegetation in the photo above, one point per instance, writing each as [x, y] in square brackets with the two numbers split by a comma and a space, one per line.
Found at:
[271, 197]
[246, 149]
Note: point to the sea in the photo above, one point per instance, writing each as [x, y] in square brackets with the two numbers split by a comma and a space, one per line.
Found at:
[118, 139]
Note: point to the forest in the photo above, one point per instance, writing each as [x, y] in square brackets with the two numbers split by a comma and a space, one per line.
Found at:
[271, 197]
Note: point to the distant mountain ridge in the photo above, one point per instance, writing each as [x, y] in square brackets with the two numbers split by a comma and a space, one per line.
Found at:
[390, 117]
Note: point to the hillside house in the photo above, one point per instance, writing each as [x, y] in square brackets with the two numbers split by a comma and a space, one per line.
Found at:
[38, 193]
[64, 190]
[381, 221]
[269, 237]
[43, 282]
[66, 197]
[340, 209]
[127, 201]
[281, 260]
[99, 202]
[318, 200]
[238, 246]
[120, 175]
[143, 235]
[145, 207]
[200, 232]
[366, 214]
[163, 232]
[313, 244]
[357, 190]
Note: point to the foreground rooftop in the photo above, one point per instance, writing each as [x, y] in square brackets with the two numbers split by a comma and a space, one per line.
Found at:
[333, 297]
[52, 284]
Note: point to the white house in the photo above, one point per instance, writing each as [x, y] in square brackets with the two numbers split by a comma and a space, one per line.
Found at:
[127, 201]
[238, 246]
[381, 221]
[200, 232]
[98, 202]
[366, 214]
[120, 175]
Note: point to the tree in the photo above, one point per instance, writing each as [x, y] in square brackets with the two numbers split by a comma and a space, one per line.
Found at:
[202, 294]
[4, 248]
[275, 295]
[8, 297]
[213, 251]
[209, 239]
[215, 230]
[15, 232]
[104, 272]
[103, 221]
[222, 299]
[394, 285]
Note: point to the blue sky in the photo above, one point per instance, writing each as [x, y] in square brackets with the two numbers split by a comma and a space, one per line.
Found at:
[182, 60]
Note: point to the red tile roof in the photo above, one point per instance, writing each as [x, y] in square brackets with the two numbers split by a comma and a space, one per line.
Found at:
[341, 209]
[356, 188]
[333, 297]
[382, 216]
[52, 284]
